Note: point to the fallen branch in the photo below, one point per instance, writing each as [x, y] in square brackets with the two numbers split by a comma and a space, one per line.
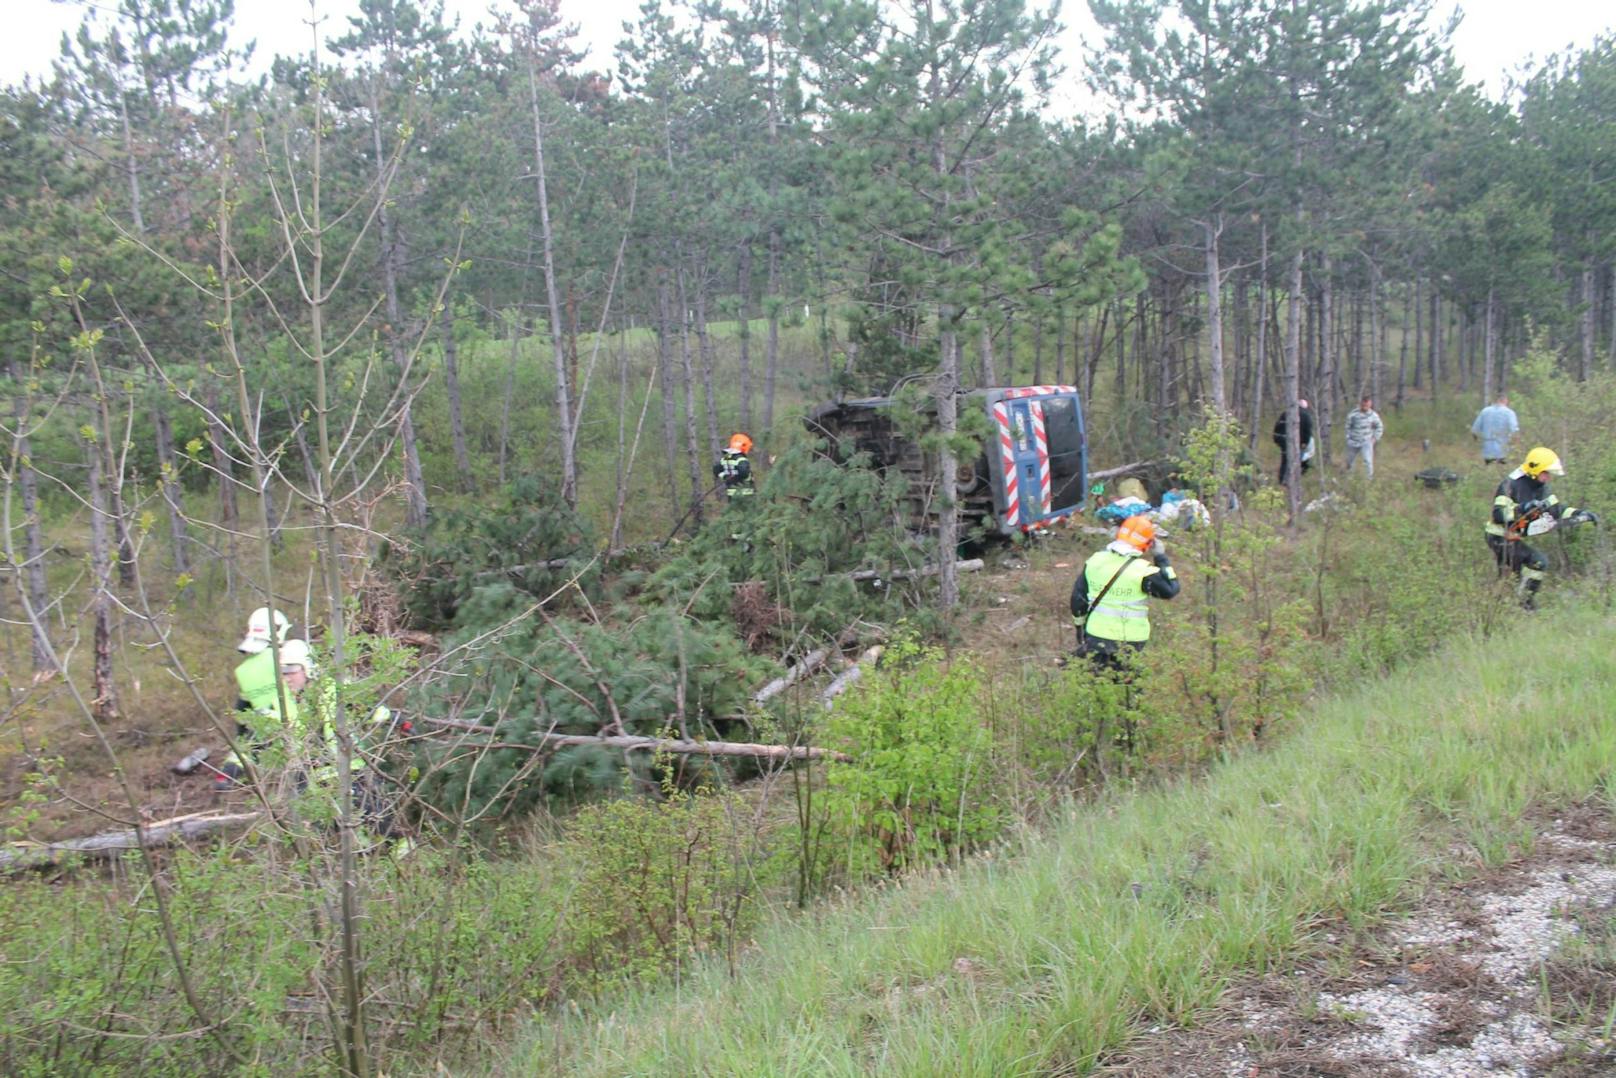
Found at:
[1112, 473]
[969, 565]
[810, 662]
[845, 680]
[20, 855]
[635, 743]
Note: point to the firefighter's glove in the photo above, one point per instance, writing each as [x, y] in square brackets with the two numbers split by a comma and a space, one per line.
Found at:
[1536, 505]
[1158, 549]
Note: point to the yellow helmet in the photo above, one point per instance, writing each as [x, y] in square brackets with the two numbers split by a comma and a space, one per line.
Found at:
[1542, 460]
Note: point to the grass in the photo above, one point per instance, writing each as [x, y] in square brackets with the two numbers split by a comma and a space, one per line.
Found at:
[1139, 908]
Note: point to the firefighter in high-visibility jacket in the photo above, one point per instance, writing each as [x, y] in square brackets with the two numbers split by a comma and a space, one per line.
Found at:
[1110, 595]
[1524, 506]
[258, 700]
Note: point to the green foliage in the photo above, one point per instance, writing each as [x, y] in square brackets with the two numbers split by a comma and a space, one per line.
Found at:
[918, 788]
[655, 883]
[87, 986]
[588, 679]
[528, 543]
[1240, 659]
[812, 521]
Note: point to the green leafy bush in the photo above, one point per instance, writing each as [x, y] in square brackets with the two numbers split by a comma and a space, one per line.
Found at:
[656, 883]
[918, 787]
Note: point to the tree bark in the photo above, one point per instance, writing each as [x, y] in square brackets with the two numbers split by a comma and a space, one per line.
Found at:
[1325, 405]
[451, 388]
[698, 484]
[1293, 385]
[104, 705]
[563, 397]
[392, 256]
[704, 342]
[1586, 321]
[670, 438]
[168, 467]
[34, 581]
[743, 288]
[948, 466]
[1210, 231]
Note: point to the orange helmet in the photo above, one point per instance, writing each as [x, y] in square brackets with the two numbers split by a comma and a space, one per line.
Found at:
[1138, 532]
[740, 443]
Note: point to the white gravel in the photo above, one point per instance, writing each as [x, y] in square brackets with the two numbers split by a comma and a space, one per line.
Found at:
[1510, 938]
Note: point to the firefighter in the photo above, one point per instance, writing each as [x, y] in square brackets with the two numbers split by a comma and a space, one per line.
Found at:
[1110, 594]
[255, 684]
[733, 470]
[1525, 506]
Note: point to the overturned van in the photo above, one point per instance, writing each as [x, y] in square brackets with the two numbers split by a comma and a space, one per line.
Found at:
[1032, 472]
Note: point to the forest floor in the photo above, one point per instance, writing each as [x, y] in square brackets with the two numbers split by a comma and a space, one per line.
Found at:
[1507, 973]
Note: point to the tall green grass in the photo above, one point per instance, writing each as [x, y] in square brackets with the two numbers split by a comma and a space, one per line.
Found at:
[1139, 908]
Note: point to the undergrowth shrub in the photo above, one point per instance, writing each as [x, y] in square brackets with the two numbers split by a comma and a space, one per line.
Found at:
[655, 883]
[454, 948]
[918, 788]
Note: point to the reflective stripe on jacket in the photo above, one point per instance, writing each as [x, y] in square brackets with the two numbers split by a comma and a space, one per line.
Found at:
[1121, 614]
[1515, 493]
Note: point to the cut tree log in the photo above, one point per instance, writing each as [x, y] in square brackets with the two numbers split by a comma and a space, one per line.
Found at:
[969, 565]
[634, 743]
[845, 680]
[810, 662]
[15, 856]
[1112, 473]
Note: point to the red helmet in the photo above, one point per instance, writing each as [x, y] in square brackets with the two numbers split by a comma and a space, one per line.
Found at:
[740, 443]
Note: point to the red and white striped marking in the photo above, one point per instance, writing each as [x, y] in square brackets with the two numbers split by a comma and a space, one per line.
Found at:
[1037, 391]
[1041, 442]
[1007, 459]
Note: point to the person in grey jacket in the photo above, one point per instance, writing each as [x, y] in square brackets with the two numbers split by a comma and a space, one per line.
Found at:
[1496, 426]
[1364, 429]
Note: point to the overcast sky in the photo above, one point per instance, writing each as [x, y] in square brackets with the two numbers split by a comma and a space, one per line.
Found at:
[1495, 38]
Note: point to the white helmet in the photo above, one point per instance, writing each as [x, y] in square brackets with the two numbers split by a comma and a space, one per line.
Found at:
[257, 638]
[297, 653]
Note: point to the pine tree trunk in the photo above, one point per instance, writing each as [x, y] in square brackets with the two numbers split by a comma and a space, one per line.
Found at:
[1587, 324]
[1410, 306]
[105, 703]
[414, 479]
[1435, 326]
[510, 393]
[705, 341]
[1324, 408]
[948, 523]
[1489, 375]
[1260, 360]
[771, 358]
[743, 288]
[35, 586]
[451, 388]
[223, 465]
[1293, 386]
[1210, 231]
[687, 370]
[1060, 351]
[563, 395]
[168, 469]
[988, 374]
[670, 419]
